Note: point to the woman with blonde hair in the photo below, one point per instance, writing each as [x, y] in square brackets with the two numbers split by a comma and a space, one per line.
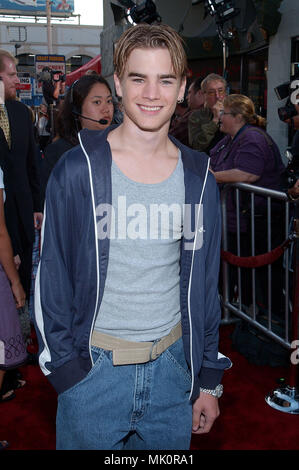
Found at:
[247, 154]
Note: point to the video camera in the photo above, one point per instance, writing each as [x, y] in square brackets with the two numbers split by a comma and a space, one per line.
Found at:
[288, 111]
[289, 90]
[49, 75]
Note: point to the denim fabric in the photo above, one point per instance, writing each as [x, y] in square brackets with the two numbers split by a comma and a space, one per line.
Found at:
[140, 406]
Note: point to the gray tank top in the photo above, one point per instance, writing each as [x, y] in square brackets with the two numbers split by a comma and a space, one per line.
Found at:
[141, 300]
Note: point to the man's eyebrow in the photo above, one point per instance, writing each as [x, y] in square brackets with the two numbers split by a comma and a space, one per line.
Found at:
[136, 74]
[163, 76]
[168, 75]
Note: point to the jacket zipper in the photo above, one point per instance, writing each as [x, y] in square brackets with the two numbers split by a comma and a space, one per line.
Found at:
[190, 281]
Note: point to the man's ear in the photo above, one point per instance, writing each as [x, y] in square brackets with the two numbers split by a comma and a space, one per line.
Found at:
[117, 85]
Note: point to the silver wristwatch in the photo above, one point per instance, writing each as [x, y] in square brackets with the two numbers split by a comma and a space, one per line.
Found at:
[216, 392]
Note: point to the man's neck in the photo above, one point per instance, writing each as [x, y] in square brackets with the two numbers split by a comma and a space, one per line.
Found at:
[139, 141]
[143, 156]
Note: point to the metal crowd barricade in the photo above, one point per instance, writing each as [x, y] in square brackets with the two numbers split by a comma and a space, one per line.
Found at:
[233, 308]
[228, 306]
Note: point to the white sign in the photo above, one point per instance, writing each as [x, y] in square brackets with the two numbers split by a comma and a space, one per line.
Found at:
[24, 87]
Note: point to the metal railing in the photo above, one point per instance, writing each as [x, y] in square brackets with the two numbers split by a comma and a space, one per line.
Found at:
[233, 307]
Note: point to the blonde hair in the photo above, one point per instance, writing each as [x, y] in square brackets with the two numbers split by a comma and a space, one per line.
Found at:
[9, 56]
[145, 36]
[241, 104]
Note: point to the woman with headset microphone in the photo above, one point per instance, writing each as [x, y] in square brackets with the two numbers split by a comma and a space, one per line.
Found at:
[88, 104]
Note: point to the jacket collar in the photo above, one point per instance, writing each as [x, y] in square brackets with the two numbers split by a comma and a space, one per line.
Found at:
[192, 160]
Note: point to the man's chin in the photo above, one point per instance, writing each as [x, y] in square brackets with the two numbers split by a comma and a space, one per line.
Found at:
[11, 96]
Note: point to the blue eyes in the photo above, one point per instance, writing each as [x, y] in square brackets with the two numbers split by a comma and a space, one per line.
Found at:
[163, 82]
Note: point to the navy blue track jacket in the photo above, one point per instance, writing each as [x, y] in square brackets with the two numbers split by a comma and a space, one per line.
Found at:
[71, 274]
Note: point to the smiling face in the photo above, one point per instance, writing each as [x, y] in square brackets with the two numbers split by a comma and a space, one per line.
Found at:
[97, 105]
[149, 89]
[10, 78]
[230, 122]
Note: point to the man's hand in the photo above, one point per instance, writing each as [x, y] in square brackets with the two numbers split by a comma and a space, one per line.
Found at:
[38, 218]
[205, 411]
[216, 111]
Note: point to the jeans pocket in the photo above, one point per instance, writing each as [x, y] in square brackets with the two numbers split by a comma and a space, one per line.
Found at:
[98, 355]
[175, 355]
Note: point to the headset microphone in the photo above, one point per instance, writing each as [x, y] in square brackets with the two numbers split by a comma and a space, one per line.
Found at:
[100, 121]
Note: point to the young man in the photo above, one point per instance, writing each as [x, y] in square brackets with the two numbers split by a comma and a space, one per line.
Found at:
[127, 308]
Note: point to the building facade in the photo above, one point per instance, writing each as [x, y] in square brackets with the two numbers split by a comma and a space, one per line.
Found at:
[77, 43]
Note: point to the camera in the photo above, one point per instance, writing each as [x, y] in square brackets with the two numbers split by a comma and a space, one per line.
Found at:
[286, 90]
[49, 75]
[58, 76]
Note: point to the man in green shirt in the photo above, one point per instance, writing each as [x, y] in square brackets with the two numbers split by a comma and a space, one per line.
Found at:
[204, 130]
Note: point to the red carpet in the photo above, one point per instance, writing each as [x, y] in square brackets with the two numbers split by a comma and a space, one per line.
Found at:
[246, 421]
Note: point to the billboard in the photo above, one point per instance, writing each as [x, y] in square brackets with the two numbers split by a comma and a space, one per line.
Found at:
[36, 7]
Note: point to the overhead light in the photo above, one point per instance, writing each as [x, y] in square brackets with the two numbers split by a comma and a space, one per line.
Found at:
[223, 10]
[145, 12]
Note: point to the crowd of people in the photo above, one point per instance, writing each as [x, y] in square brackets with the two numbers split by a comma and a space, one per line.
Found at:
[28, 154]
[123, 157]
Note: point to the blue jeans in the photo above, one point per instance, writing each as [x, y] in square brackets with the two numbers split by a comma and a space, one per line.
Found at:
[140, 406]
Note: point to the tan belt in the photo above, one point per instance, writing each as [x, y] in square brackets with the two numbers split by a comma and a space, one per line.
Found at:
[129, 352]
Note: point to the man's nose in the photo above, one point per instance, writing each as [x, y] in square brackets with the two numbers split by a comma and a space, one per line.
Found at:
[151, 91]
